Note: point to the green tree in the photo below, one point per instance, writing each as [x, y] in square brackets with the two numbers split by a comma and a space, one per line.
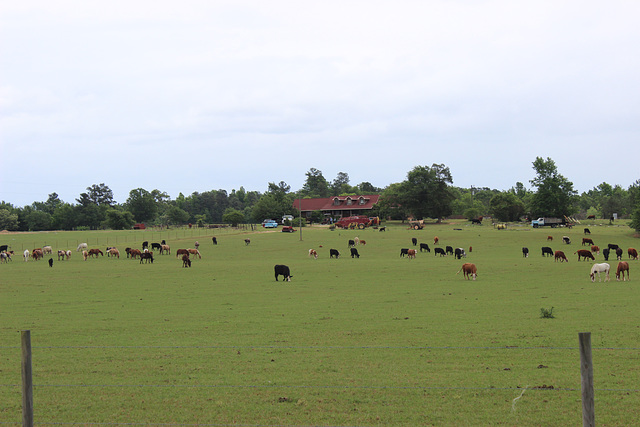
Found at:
[142, 205]
[119, 219]
[38, 221]
[555, 196]
[233, 217]
[426, 193]
[315, 185]
[506, 206]
[635, 218]
[175, 215]
[65, 217]
[8, 220]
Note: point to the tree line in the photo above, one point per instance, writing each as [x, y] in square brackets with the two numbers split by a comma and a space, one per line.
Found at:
[426, 193]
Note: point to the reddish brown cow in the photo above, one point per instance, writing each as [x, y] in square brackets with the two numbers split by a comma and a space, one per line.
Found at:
[586, 241]
[633, 254]
[313, 253]
[583, 253]
[559, 255]
[95, 252]
[622, 267]
[133, 253]
[186, 262]
[411, 253]
[435, 240]
[595, 249]
[549, 238]
[181, 252]
[468, 270]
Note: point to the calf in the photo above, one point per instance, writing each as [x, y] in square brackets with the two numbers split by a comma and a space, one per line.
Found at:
[587, 231]
[404, 251]
[468, 270]
[459, 253]
[435, 240]
[363, 242]
[547, 250]
[425, 247]
[605, 253]
[414, 241]
[313, 253]
[383, 229]
[439, 251]
[583, 253]
[587, 241]
[354, 253]
[186, 262]
[633, 254]
[449, 250]
[411, 253]
[334, 253]
[559, 255]
[282, 270]
[595, 249]
[525, 252]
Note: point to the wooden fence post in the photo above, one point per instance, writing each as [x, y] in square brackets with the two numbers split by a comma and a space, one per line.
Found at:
[586, 376]
[27, 380]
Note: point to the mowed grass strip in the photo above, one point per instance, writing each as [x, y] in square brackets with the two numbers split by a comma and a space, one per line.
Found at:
[376, 340]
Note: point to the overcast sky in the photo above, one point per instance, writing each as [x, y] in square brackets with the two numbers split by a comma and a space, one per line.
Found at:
[185, 96]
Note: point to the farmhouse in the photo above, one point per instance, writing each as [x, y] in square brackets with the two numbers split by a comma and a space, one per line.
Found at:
[338, 206]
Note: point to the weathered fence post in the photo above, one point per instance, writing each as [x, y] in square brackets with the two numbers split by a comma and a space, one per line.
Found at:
[586, 375]
[27, 381]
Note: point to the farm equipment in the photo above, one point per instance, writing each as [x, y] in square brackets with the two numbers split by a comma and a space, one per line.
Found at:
[358, 221]
[416, 225]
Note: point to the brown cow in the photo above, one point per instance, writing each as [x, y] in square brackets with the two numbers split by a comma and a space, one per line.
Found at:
[313, 253]
[181, 252]
[36, 254]
[633, 254]
[468, 270]
[195, 253]
[435, 240]
[595, 249]
[411, 253]
[584, 254]
[114, 252]
[95, 252]
[587, 241]
[622, 267]
[133, 253]
[559, 255]
[186, 262]
[549, 238]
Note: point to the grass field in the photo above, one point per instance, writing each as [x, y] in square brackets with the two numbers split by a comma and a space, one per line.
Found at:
[379, 340]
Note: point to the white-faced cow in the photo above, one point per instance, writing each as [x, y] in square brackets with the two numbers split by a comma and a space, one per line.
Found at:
[469, 271]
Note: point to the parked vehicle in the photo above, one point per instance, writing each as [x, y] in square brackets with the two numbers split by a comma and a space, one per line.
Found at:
[288, 229]
[270, 223]
[358, 221]
[550, 222]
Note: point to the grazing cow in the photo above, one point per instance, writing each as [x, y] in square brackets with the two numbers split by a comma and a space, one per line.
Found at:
[414, 241]
[4, 257]
[351, 243]
[61, 254]
[404, 251]
[195, 253]
[85, 255]
[145, 245]
[459, 253]
[68, 254]
[135, 253]
[95, 252]
[622, 267]
[356, 240]
[469, 270]
[363, 242]
[583, 253]
[47, 250]
[449, 250]
[334, 253]
[247, 241]
[165, 248]
[156, 246]
[425, 247]
[549, 238]
[605, 253]
[411, 253]
[591, 217]
[354, 253]
[114, 252]
[566, 239]
[587, 241]
[4, 248]
[470, 249]
[82, 246]
[109, 249]
[214, 240]
[547, 250]
[525, 252]
[25, 255]
[313, 253]
[383, 229]
[435, 240]
[36, 254]
[633, 254]
[619, 254]
[587, 231]
[559, 255]
[181, 252]
[612, 246]
[282, 270]
[186, 262]
[600, 268]
[50, 262]
[439, 251]
[146, 257]
[476, 220]
[595, 249]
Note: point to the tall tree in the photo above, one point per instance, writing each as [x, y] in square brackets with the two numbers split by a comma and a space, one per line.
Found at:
[340, 184]
[142, 205]
[506, 206]
[316, 185]
[98, 194]
[426, 193]
[555, 196]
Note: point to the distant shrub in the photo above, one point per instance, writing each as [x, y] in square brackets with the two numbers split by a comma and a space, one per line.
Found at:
[546, 314]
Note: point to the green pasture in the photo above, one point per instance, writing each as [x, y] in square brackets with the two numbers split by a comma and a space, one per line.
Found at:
[379, 340]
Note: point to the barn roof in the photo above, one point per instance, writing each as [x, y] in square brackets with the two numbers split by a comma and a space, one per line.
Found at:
[337, 203]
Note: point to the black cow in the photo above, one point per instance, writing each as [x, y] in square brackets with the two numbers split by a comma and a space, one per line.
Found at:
[146, 257]
[145, 245]
[547, 250]
[214, 240]
[4, 248]
[156, 246]
[525, 252]
[414, 241]
[439, 251]
[334, 253]
[283, 270]
[460, 253]
[612, 246]
[449, 250]
[425, 247]
[404, 251]
[587, 231]
[354, 253]
[351, 243]
[50, 262]
[605, 252]
[619, 253]
[383, 229]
